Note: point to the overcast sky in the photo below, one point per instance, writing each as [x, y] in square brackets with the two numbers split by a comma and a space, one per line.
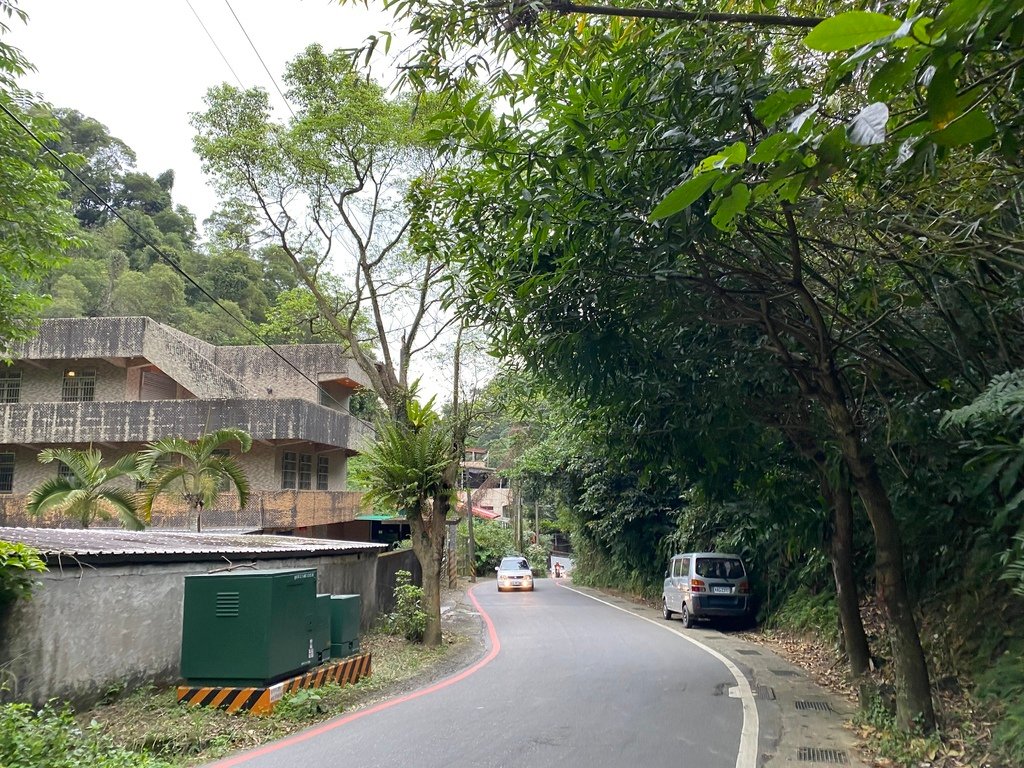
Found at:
[140, 67]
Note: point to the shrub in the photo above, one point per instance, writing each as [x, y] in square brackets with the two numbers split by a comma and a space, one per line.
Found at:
[537, 555]
[18, 563]
[491, 542]
[50, 738]
[808, 613]
[408, 619]
[1003, 686]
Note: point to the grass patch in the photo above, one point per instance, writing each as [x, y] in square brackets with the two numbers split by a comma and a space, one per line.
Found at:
[151, 721]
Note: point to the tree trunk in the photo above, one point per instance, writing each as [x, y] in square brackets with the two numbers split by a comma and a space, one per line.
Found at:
[855, 640]
[428, 540]
[913, 688]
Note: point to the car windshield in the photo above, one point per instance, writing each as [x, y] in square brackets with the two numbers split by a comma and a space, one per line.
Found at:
[719, 568]
[514, 564]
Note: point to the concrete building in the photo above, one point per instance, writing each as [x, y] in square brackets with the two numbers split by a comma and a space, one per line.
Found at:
[119, 382]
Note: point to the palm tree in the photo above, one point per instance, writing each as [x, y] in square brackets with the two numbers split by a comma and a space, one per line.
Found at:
[194, 470]
[411, 468]
[84, 492]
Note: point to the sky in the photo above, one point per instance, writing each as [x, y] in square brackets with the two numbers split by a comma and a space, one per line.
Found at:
[141, 67]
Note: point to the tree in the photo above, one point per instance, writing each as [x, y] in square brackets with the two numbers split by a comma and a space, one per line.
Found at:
[36, 226]
[623, 163]
[195, 470]
[89, 491]
[408, 468]
[339, 186]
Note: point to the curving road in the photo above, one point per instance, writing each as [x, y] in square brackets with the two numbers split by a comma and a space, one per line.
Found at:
[568, 681]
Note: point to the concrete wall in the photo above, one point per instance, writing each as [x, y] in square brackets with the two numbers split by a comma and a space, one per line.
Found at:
[389, 564]
[87, 629]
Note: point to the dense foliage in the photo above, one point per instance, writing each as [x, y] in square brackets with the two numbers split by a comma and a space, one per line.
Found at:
[18, 564]
[759, 266]
[51, 738]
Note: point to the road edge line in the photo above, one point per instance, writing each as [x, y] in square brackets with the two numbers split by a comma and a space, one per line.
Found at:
[746, 755]
[330, 725]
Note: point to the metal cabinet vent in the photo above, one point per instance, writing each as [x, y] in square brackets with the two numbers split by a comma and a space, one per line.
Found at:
[227, 605]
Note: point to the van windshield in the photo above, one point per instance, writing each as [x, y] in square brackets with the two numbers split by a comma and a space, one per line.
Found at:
[719, 568]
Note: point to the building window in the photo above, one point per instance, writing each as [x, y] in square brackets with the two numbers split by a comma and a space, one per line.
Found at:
[79, 386]
[305, 472]
[6, 472]
[10, 386]
[288, 467]
[322, 470]
[64, 471]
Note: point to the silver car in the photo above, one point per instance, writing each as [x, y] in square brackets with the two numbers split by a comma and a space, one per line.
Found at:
[702, 585]
[514, 573]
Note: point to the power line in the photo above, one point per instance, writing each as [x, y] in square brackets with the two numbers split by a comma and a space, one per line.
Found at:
[173, 264]
[225, 58]
[265, 67]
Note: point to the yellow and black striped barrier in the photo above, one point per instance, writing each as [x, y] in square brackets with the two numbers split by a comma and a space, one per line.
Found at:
[260, 701]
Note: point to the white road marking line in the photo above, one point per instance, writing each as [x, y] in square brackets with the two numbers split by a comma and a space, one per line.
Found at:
[746, 756]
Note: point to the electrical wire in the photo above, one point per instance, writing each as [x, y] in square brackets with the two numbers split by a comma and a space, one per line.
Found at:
[174, 265]
[258, 56]
[207, 31]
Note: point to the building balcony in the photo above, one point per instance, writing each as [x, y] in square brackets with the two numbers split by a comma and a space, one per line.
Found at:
[141, 421]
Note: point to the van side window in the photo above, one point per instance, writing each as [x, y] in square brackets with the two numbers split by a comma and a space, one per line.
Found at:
[684, 567]
[675, 568]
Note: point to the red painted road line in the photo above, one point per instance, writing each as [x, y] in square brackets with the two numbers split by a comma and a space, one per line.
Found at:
[330, 726]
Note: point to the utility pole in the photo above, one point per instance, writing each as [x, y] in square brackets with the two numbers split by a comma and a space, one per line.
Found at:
[470, 543]
[536, 519]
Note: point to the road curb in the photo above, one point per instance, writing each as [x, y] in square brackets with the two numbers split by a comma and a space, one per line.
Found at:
[800, 723]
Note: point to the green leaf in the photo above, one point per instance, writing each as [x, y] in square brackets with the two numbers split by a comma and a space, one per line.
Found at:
[684, 195]
[850, 30]
[730, 207]
[892, 78]
[771, 147]
[868, 127]
[942, 100]
[966, 129]
[734, 154]
[779, 104]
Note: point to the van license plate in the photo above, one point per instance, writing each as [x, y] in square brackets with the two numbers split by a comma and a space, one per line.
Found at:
[722, 590]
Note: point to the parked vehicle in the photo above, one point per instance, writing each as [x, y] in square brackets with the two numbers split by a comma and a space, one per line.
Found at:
[701, 585]
[514, 573]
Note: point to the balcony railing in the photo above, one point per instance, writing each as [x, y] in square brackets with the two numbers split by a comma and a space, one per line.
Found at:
[137, 421]
[265, 510]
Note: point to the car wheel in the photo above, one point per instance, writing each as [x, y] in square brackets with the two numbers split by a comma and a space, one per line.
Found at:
[665, 612]
[686, 617]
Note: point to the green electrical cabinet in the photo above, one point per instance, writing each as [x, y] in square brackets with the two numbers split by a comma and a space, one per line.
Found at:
[345, 611]
[322, 635]
[248, 629]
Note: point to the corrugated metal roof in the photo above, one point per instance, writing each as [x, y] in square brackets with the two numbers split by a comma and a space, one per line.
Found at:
[115, 545]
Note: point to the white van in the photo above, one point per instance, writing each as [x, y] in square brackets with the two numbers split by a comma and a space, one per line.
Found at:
[702, 585]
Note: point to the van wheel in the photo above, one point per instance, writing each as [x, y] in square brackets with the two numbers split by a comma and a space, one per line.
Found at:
[687, 619]
[665, 612]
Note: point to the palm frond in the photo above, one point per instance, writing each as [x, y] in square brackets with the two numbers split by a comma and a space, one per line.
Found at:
[49, 494]
[228, 467]
[126, 507]
[159, 484]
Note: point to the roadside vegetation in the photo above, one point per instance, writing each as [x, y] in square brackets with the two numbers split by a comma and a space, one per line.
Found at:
[147, 728]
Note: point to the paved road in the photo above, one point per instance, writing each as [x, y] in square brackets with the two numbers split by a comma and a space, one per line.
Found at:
[570, 682]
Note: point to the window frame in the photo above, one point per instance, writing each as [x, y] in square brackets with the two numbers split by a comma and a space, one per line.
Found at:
[77, 385]
[10, 381]
[292, 458]
[323, 472]
[7, 463]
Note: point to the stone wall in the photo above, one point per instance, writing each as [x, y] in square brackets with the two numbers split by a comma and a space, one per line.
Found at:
[88, 629]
